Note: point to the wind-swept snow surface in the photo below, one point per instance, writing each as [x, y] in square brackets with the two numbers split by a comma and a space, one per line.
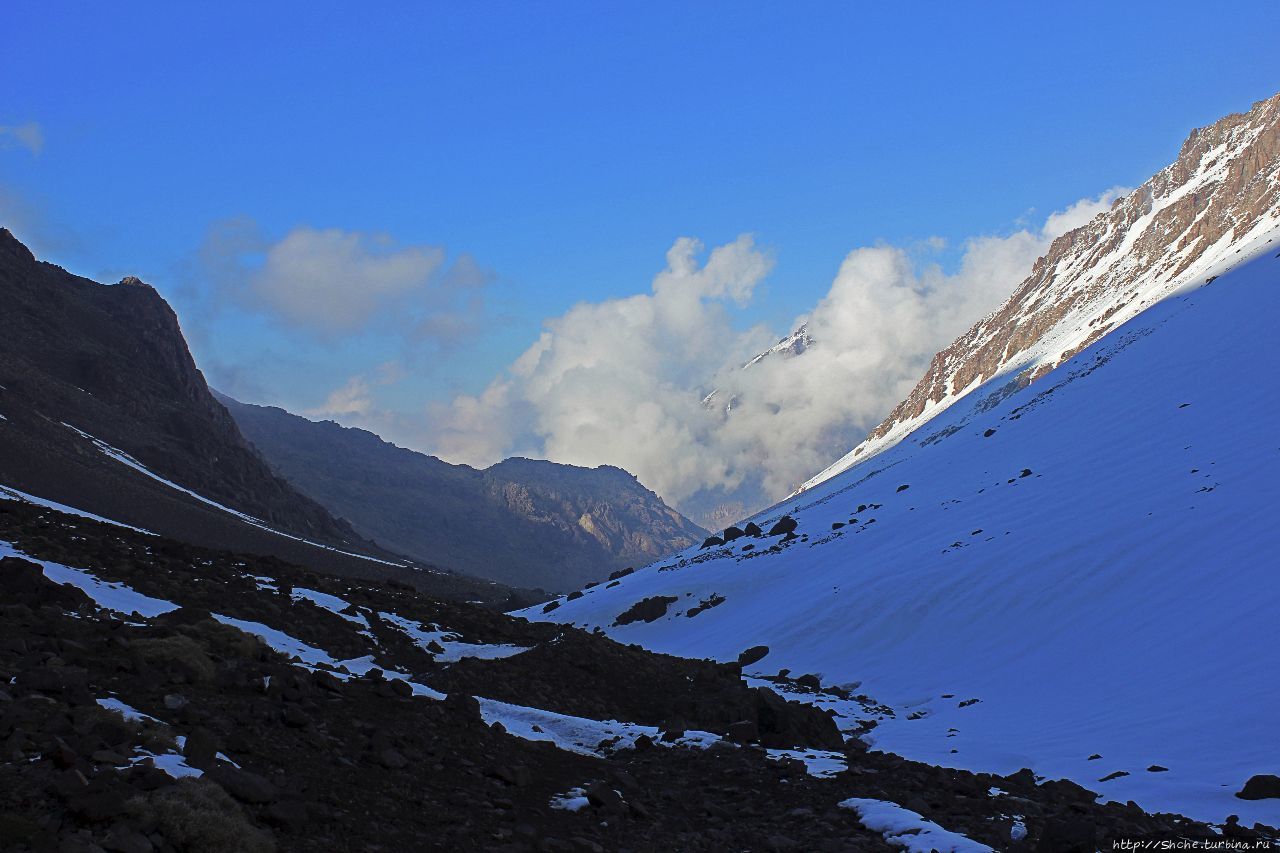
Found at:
[1086, 566]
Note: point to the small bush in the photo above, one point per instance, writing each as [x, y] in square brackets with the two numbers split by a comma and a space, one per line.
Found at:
[197, 816]
[178, 653]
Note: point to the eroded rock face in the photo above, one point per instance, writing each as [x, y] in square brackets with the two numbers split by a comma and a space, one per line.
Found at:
[1223, 188]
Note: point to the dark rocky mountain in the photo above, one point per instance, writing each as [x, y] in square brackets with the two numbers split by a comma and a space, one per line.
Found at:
[521, 521]
[97, 388]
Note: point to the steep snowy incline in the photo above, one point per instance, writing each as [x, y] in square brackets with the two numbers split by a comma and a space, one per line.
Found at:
[1091, 558]
[1207, 207]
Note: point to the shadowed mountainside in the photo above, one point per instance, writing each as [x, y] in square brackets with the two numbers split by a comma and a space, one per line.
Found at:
[521, 521]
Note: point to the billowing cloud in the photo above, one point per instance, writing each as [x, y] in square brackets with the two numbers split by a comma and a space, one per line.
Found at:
[621, 381]
[336, 280]
[29, 136]
[354, 400]
[337, 283]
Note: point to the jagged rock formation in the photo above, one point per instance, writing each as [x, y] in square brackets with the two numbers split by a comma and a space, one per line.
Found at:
[1221, 193]
[521, 521]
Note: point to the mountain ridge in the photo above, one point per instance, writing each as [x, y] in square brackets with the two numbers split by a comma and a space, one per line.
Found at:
[524, 521]
[103, 408]
[1222, 191]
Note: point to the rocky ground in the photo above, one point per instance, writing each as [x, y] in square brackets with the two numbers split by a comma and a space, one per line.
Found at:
[273, 755]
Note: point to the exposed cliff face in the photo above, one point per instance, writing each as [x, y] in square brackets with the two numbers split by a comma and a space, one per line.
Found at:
[102, 403]
[521, 521]
[1219, 198]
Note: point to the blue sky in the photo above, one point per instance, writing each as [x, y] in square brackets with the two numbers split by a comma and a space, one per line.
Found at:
[559, 149]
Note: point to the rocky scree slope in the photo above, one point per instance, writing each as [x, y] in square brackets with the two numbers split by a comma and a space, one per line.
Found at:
[160, 697]
[521, 521]
[1221, 193]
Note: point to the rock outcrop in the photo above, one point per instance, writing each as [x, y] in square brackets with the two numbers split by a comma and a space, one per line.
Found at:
[1205, 209]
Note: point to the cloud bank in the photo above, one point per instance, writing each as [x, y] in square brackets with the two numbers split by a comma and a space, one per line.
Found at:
[621, 381]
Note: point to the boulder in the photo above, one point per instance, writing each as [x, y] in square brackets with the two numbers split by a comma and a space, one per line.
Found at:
[755, 654]
[646, 610]
[1264, 786]
[244, 786]
[783, 526]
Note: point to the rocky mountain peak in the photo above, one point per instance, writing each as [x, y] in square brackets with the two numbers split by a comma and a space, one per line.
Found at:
[1220, 200]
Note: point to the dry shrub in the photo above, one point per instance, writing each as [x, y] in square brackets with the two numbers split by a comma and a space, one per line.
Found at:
[177, 653]
[197, 816]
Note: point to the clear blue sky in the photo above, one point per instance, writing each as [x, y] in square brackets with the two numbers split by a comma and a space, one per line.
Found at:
[566, 145]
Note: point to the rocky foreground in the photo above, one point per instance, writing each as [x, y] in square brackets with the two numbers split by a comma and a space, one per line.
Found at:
[394, 722]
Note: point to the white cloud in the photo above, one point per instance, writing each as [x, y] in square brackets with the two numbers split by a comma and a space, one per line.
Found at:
[334, 283]
[354, 400]
[621, 381]
[29, 136]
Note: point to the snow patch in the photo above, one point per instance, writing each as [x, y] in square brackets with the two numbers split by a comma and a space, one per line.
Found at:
[908, 830]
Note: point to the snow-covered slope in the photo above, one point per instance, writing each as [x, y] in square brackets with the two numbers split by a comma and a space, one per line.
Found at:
[1207, 207]
[1091, 558]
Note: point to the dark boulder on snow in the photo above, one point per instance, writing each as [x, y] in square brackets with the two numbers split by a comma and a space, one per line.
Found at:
[755, 654]
[731, 533]
[752, 529]
[1264, 786]
[784, 525]
[809, 680]
[463, 707]
[712, 541]
[784, 724]
[646, 610]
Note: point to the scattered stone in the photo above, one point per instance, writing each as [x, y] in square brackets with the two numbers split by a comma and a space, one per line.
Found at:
[604, 798]
[392, 759]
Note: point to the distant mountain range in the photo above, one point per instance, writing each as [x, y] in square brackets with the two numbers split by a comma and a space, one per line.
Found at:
[522, 521]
